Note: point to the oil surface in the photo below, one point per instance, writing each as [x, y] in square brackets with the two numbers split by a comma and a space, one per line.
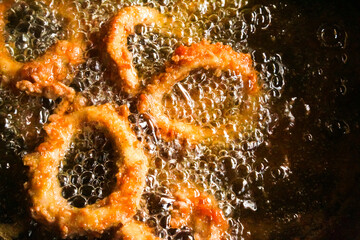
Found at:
[291, 171]
[87, 172]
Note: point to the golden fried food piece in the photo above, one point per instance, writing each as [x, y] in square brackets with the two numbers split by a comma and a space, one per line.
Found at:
[68, 106]
[8, 66]
[48, 205]
[135, 231]
[199, 211]
[121, 27]
[45, 76]
[186, 59]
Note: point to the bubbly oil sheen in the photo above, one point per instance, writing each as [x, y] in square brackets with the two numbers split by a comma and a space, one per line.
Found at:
[290, 170]
[88, 170]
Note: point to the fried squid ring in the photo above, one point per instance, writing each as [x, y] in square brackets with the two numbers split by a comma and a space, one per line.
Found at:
[48, 205]
[44, 76]
[199, 211]
[121, 27]
[186, 59]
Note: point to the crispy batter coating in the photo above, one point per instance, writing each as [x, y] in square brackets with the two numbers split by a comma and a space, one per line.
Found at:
[186, 59]
[48, 205]
[135, 231]
[68, 106]
[121, 27]
[45, 76]
[199, 211]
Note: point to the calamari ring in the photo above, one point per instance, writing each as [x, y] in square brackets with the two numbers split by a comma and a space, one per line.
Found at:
[199, 211]
[48, 205]
[121, 27]
[45, 75]
[199, 55]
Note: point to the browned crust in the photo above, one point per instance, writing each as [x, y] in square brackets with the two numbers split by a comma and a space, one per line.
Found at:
[199, 211]
[44, 76]
[49, 207]
[121, 27]
[135, 231]
[186, 59]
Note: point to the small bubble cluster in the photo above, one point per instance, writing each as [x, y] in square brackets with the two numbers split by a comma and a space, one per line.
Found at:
[204, 99]
[144, 130]
[88, 170]
[151, 50]
[89, 74]
[212, 101]
[94, 14]
[93, 84]
[32, 28]
[271, 72]
[22, 118]
[332, 35]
